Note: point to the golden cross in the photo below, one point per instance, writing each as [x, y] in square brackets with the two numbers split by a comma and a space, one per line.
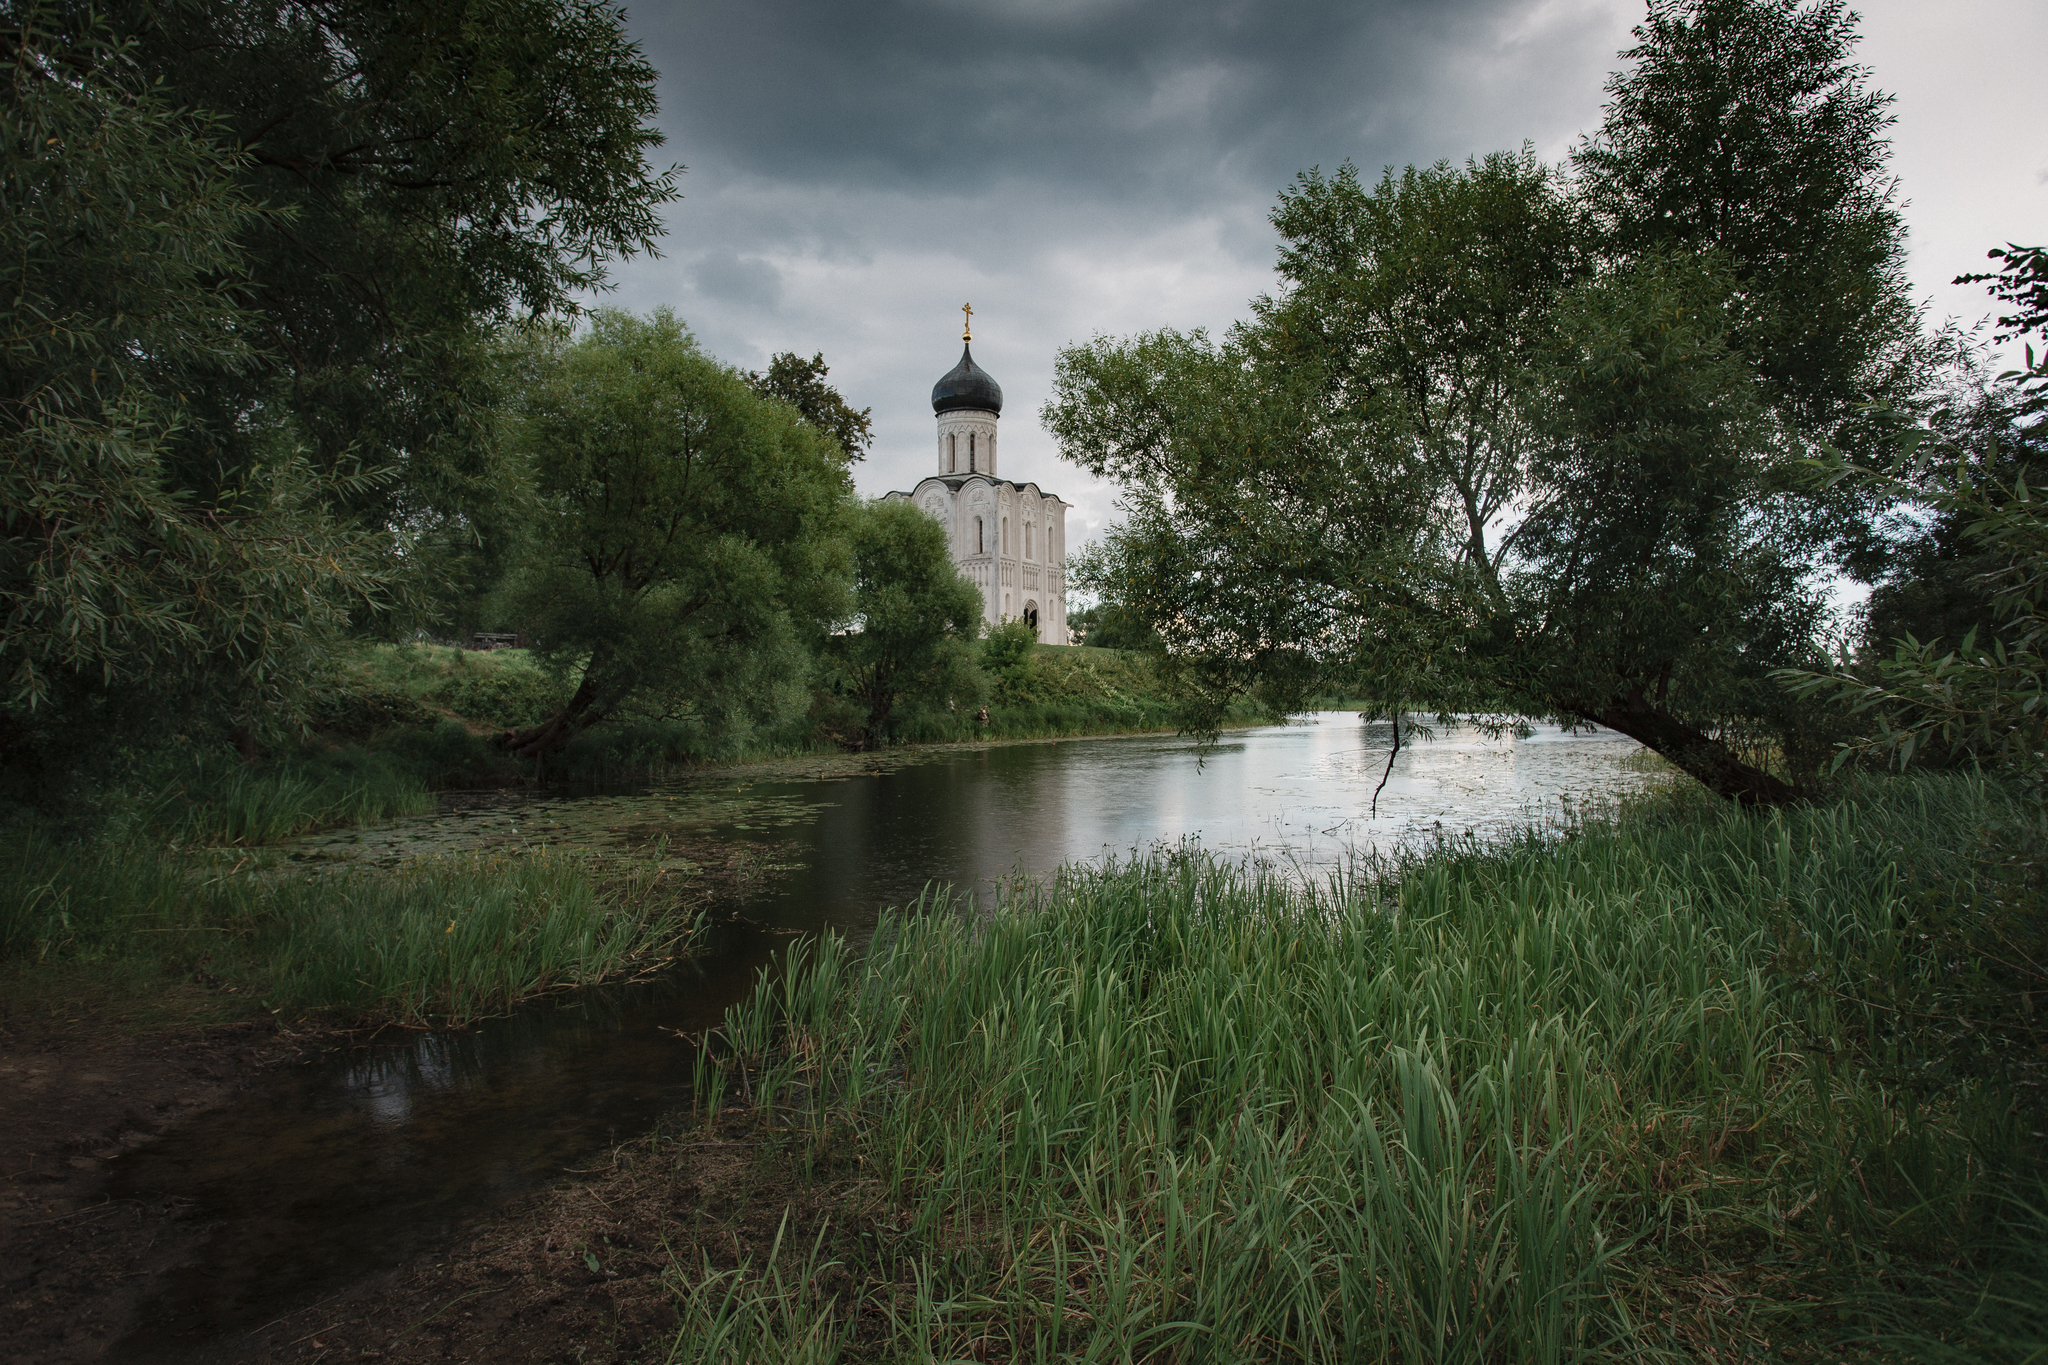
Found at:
[967, 325]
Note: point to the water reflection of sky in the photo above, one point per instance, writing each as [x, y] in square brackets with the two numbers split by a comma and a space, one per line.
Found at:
[1304, 793]
[1300, 796]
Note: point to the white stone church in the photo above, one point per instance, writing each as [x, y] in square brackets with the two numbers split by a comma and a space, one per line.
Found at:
[1009, 539]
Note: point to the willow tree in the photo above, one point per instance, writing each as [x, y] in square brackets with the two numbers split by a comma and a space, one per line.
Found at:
[432, 169]
[1508, 446]
[689, 545]
[127, 595]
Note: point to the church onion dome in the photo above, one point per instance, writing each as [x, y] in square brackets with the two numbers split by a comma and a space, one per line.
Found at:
[967, 385]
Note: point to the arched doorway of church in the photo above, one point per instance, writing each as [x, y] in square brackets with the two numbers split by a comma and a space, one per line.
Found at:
[1031, 617]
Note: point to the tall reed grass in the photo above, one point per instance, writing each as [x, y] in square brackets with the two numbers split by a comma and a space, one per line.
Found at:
[217, 800]
[1611, 1094]
[441, 940]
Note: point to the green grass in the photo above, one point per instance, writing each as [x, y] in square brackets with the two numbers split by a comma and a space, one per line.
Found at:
[444, 940]
[481, 684]
[1066, 691]
[1617, 1094]
[214, 799]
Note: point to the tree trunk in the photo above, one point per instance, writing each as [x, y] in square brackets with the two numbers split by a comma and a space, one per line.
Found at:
[1710, 761]
[536, 741]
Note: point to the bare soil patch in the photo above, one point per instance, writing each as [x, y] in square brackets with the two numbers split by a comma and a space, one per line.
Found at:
[584, 1271]
[75, 1094]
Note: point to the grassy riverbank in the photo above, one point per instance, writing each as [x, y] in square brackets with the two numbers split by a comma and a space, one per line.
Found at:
[163, 887]
[440, 940]
[400, 722]
[1697, 1084]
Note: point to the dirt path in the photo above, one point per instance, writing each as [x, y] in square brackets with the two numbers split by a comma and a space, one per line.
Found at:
[582, 1271]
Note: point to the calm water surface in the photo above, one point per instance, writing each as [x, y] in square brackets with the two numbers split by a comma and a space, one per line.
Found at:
[367, 1156]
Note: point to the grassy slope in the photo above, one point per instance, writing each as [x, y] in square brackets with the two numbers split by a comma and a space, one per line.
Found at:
[1627, 1095]
[1066, 690]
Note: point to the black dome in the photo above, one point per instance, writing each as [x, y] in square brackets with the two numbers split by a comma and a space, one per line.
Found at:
[967, 385]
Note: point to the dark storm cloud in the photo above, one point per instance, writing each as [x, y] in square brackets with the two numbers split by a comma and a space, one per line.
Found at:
[732, 279]
[1148, 98]
[857, 171]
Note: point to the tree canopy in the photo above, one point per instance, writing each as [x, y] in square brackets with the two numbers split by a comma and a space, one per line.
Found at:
[1509, 444]
[690, 541]
[801, 383]
[432, 168]
[912, 616]
[119, 255]
[1745, 129]
[256, 252]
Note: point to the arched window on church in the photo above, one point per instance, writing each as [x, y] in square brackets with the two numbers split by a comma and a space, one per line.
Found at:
[979, 548]
[1006, 535]
[970, 452]
[952, 452]
[1027, 540]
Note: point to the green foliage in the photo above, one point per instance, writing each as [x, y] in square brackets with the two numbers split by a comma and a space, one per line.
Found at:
[2023, 286]
[1989, 698]
[119, 255]
[801, 383]
[505, 696]
[1932, 583]
[690, 543]
[1112, 625]
[257, 251]
[1983, 698]
[448, 756]
[433, 169]
[913, 615]
[1620, 1094]
[1745, 130]
[1073, 691]
[1008, 656]
[1424, 303]
[210, 798]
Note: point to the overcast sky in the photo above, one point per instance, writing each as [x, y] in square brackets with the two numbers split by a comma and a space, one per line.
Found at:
[857, 171]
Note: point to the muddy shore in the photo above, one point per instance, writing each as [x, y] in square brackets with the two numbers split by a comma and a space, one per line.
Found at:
[93, 1069]
[75, 1264]
[576, 1271]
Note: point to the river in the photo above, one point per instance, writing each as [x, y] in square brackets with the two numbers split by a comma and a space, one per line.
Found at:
[366, 1156]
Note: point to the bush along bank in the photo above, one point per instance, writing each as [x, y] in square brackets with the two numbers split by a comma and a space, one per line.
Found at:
[1621, 1094]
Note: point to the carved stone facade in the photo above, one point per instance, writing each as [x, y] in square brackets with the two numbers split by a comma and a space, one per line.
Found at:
[1009, 539]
